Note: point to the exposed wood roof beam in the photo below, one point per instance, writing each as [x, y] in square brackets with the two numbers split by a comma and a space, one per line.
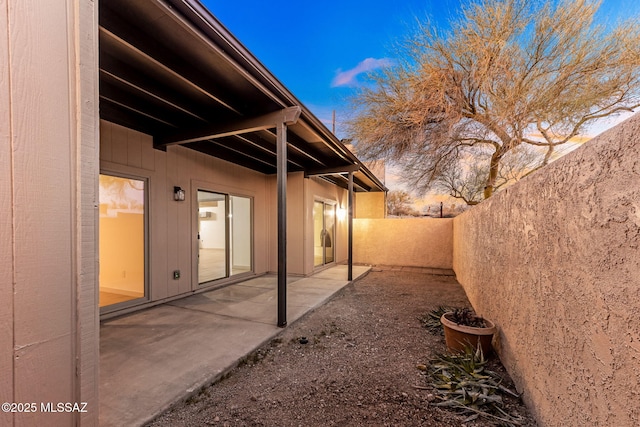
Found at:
[202, 12]
[306, 154]
[124, 96]
[356, 181]
[288, 116]
[267, 150]
[332, 179]
[224, 153]
[114, 38]
[293, 141]
[241, 153]
[154, 93]
[136, 110]
[332, 171]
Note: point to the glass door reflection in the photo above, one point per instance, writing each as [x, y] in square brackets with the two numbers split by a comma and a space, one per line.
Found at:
[212, 236]
[324, 220]
[224, 236]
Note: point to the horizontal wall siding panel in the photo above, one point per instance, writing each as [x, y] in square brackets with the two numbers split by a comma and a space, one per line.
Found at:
[185, 160]
[134, 149]
[148, 154]
[159, 199]
[173, 225]
[295, 223]
[126, 147]
[119, 144]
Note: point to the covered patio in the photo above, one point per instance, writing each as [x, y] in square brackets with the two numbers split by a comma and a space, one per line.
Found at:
[153, 358]
[172, 76]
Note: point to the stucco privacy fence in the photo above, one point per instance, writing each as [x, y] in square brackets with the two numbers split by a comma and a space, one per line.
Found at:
[415, 242]
[555, 262]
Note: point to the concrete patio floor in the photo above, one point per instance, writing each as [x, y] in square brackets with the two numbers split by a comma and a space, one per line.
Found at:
[151, 359]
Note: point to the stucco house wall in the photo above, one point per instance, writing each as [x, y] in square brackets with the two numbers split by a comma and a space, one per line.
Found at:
[48, 193]
[416, 242]
[555, 262]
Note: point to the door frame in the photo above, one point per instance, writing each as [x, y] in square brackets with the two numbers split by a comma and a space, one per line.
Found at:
[196, 186]
[325, 203]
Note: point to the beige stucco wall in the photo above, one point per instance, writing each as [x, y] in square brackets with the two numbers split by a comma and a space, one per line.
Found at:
[370, 205]
[555, 262]
[48, 179]
[418, 242]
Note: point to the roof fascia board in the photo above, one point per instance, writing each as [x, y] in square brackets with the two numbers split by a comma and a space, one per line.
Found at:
[285, 96]
[206, 18]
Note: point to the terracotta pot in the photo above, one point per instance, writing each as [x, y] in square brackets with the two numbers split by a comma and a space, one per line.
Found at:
[459, 336]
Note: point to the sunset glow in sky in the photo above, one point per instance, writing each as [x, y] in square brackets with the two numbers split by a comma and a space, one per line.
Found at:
[320, 50]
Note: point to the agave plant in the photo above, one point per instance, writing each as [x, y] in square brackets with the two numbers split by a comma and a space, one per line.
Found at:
[431, 320]
[463, 383]
[466, 317]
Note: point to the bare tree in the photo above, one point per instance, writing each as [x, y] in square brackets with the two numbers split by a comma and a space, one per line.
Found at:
[466, 179]
[399, 202]
[507, 70]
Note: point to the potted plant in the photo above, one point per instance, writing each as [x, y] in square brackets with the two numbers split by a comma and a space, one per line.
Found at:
[463, 328]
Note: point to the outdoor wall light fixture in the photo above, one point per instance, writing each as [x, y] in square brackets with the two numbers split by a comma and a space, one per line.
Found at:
[178, 194]
[341, 213]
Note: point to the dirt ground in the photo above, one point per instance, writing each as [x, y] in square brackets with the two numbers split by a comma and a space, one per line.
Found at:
[358, 368]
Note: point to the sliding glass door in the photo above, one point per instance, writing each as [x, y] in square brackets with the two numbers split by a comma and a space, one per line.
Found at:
[324, 220]
[212, 236]
[122, 240]
[224, 235]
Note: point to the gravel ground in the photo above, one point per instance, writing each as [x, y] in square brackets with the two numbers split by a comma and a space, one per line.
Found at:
[357, 368]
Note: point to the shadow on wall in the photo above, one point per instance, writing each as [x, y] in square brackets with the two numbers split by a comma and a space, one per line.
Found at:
[555, 261]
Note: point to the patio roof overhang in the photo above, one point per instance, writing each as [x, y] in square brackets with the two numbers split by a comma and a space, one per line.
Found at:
[170, 69]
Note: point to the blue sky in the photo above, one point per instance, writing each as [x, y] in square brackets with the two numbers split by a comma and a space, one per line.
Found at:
[320, 49]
